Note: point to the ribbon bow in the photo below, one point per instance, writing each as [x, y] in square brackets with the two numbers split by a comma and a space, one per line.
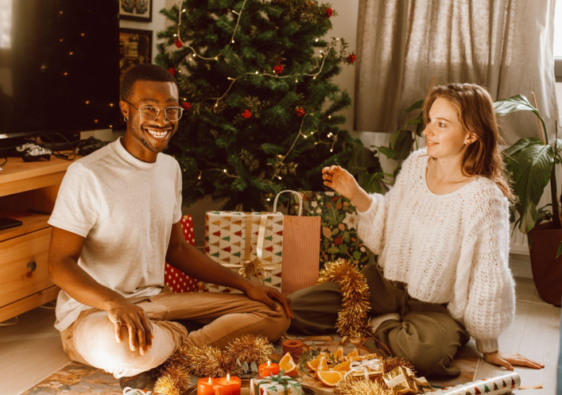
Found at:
[375, 365]
[284, 381]
[407, 379]
[254, 266]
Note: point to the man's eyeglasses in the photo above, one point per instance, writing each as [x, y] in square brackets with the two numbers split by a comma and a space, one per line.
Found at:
[150, 113]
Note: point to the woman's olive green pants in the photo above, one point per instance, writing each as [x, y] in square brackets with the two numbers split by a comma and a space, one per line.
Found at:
[425, 335]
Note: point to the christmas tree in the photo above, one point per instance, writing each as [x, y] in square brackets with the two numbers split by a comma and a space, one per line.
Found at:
[260, 110]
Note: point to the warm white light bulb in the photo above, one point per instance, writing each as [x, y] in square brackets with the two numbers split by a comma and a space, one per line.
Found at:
[232, 41]
[316, 40]
[194, 55]
[224, 170]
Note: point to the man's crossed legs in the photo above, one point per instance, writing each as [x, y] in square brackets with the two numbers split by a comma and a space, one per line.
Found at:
[91, 338]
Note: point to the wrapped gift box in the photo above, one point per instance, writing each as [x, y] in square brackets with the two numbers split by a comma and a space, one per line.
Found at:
[275, 385]
[175, 279]
[249, 243]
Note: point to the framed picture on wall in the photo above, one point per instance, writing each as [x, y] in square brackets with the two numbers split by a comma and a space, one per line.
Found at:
[135, 47]
[136, 10]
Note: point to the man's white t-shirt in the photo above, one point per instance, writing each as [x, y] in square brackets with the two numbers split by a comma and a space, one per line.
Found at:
[125, 209]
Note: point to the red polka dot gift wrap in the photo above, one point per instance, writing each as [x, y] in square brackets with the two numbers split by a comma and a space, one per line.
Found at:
[175, 279]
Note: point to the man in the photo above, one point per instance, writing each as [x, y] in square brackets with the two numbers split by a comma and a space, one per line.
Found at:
[115, 222]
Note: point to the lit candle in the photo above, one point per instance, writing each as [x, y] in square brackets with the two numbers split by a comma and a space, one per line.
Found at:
[205, 387]
[230, 385]
[269, 369]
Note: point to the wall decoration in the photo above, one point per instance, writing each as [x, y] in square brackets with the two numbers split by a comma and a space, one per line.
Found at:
[135, 47]
[136, 10]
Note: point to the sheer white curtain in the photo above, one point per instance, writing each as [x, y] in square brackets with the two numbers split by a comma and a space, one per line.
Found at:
[504, 45]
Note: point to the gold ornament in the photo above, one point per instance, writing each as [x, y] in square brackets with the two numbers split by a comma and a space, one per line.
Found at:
[353, 318]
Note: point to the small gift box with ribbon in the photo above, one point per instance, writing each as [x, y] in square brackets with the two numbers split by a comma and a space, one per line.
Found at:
[276, 385]
[366, 368]
[249, 243]
[404, 381]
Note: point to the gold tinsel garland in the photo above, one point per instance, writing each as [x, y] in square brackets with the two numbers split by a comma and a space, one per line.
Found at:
[353, 318]
[210, 361]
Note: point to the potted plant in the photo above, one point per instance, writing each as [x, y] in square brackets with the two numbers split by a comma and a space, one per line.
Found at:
[531, 163]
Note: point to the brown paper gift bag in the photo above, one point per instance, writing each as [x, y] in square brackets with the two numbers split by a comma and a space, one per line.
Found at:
[301, 249]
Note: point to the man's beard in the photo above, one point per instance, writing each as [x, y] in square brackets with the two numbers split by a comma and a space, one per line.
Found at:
[139, 135]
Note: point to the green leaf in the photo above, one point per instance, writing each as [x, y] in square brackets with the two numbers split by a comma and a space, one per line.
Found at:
[388, 152]
[416, 106]
[403, 144]
[517, 103]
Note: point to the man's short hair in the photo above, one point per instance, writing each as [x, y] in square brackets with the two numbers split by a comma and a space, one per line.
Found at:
[143, 72]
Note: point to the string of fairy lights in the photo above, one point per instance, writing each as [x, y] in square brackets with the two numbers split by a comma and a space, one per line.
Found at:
[323, 55]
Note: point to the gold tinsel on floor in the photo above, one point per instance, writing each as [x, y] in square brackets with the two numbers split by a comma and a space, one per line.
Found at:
[353, 318]
[210, 361]
[359, 386]
[250, 348]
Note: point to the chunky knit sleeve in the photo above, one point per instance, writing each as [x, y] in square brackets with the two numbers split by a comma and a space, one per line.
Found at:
[491, 294]
[371, 226]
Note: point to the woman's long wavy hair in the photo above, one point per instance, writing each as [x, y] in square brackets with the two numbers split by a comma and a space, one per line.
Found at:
[476, 113]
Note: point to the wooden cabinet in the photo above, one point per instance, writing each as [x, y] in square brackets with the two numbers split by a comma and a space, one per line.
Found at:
[27, 192]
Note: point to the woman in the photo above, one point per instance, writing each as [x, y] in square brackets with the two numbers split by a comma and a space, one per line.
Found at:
[442, 237]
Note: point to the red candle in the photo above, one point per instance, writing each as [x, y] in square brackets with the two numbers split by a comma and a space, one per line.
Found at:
[229, 385]
[269, 369]
[205, 386]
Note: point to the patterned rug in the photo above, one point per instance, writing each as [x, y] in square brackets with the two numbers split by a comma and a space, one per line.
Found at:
[79, 379]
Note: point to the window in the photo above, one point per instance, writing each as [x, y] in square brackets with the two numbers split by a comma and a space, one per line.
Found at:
[558, 40]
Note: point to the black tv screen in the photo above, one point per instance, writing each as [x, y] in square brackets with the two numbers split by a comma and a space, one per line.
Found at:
[59, 66]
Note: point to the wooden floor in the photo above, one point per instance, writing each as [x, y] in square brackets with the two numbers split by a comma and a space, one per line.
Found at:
[31, 350]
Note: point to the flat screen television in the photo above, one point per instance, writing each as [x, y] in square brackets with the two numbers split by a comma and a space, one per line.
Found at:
[59, 67]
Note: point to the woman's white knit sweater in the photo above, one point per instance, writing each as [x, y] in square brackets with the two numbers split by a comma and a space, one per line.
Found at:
[450, 248]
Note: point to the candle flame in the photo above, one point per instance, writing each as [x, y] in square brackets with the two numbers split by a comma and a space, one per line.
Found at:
[210, 381]
[228, 377]
[268, 363]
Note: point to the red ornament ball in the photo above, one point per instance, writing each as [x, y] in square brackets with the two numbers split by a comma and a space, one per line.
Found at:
[351, 58]
[246, 114]
[172, 71]
[300, 111]
[186, 105]
[178, 43]
[329, 11]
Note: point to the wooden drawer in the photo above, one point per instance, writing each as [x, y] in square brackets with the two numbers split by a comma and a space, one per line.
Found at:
[19, 277]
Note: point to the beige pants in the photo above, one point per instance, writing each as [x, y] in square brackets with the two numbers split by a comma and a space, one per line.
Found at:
[91, 338]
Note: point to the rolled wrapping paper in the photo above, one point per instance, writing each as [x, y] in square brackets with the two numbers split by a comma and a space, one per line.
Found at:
[275, 385]
[404, 381]
[366, 367]
[498, 385]
[293, 347]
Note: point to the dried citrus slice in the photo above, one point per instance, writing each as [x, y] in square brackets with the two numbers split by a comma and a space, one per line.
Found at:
[338, 355]
[329, 377]
[352, 354]
[322, 365]
[313, 364]
[342, 367]
[288, 365]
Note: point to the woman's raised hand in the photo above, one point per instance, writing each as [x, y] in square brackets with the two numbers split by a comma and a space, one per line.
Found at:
[340, 181]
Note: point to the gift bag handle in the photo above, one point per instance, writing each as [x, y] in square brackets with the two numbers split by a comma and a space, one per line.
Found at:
[293, 192]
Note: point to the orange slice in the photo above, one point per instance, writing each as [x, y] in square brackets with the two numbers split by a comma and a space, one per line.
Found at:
[288, 365]
[313, 364]
[352, 354]
[342, 367]
[338, 355]
[322, 365]
[329, 377]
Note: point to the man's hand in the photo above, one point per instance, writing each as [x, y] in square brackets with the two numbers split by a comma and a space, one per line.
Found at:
[269, 296]
[509, 360]
[136, 320]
